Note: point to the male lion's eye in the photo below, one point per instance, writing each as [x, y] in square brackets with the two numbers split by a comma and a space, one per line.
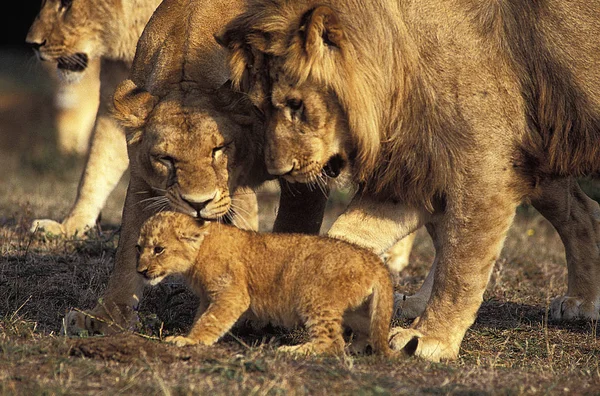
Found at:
[158, 249]
[65, 3]
[294, 104]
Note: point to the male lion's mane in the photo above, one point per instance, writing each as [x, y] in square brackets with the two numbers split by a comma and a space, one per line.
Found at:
[413, 156]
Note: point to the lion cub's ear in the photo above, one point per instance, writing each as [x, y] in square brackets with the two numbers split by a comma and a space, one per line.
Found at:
[321, 28]
[193, 235]
[132, 105]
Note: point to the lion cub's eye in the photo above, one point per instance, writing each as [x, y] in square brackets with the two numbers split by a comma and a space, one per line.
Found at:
[158, 249]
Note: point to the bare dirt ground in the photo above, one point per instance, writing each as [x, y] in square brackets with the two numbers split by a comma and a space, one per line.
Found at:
[511, 349]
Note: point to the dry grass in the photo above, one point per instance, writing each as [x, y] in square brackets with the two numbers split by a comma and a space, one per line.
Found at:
[511, 349]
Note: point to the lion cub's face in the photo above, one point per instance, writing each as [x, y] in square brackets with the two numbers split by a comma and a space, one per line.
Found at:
[306, 134]
[168, 244]
[67, 32]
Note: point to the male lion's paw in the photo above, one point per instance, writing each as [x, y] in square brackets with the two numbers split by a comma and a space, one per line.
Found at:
[47, 226]
[414, 343]
[80, 324]
[573, 308]
[181, 341]
[408, 307]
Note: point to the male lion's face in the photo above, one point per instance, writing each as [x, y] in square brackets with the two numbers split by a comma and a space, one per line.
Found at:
[306, 132]
[69, 32]
[168, 244]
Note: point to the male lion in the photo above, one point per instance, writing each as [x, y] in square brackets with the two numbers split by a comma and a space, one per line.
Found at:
[87, 39]
[449, 113]
[285, 279]
[194, 146]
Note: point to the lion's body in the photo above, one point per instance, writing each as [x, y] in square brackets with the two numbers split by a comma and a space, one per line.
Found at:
[91, 44]
[450, 114]
[284, 279]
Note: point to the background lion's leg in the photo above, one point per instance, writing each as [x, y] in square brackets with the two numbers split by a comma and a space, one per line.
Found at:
[396, 258]
[468, 240]
[301, 208]
[576, 218]
[76, 109]
[106, 162]
[115, 310]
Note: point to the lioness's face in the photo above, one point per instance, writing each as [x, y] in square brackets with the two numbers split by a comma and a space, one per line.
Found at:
[188, 155]
[69, 33]
[167, 245]
[306, 131]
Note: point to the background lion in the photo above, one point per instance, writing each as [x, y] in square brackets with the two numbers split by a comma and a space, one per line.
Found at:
[267, 275]
[88, 40]
[449, 114]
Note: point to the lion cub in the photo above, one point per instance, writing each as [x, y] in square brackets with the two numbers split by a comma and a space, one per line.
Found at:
[284, 279]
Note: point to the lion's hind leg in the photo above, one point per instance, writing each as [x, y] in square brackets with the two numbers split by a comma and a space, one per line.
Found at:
[576, 218]
[325, 330]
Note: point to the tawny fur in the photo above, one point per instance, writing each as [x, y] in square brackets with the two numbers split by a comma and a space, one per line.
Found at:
[89, 35]
[449, 113]
[285, 279]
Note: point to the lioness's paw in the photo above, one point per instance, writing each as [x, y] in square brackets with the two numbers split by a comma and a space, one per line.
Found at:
[408, 307]
[573, 308]
[414, 343]
[81, 324]
[181, 341]
[47, 226]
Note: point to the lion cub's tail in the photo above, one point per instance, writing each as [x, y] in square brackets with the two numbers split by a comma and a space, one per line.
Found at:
[382, 305]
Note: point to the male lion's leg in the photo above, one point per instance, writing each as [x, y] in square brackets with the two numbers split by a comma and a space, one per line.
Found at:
[106, 162]
[115, 311]
[468, 240]
[301, 208]
[576, 218]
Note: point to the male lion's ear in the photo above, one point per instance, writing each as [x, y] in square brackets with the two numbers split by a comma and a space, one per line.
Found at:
[321, 28]
[132, 105]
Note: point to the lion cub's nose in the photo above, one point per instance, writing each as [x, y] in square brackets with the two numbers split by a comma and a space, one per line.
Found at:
[143, 272]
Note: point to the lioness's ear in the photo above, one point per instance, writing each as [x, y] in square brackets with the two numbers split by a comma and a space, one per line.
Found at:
[321, 28]
[132, 105]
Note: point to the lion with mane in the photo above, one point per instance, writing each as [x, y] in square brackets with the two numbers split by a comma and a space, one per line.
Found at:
[449, 114]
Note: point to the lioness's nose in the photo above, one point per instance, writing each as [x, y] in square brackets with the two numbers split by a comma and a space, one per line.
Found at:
[36, 45]
[198, 202]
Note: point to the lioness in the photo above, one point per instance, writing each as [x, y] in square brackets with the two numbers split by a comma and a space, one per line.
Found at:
[82, 36]
[285, 279]
[449, 113]
[193, 144]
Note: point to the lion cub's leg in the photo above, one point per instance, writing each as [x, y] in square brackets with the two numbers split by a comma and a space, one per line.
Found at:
[576, 218]
[226, 307]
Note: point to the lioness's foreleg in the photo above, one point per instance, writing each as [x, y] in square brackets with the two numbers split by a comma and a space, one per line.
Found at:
[105, 164]
[576, 218]
[468, 240]
[115, 311]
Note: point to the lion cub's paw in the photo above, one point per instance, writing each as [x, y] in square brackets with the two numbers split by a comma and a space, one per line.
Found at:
[573, 308]
[414, 343]
[47, 226]
[181, 341]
